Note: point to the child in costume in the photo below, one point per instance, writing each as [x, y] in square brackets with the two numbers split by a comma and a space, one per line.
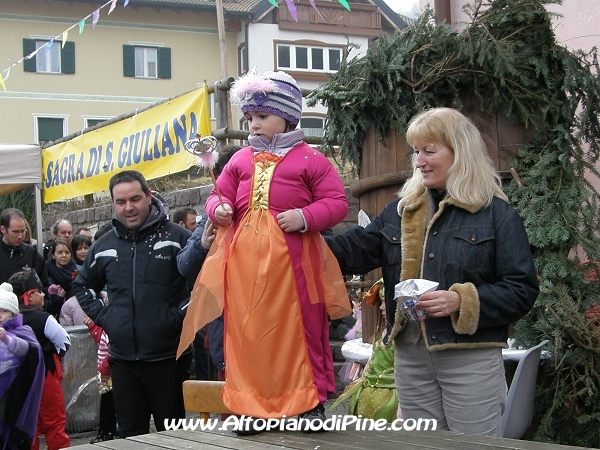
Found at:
[374, 396]
[55, 342]
[21, 375]
[277, 277]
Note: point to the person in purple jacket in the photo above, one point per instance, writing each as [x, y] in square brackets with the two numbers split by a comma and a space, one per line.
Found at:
[21, 375]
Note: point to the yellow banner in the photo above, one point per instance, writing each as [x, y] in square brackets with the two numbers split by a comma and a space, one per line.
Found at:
[151, 142]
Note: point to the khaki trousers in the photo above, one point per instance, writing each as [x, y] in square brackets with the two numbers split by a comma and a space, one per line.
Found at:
[463, 389]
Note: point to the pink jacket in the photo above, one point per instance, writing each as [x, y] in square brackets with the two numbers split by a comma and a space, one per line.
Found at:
[102, 339]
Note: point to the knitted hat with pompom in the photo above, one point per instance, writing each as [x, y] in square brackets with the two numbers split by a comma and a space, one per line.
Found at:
[8, 300]
[271, 92]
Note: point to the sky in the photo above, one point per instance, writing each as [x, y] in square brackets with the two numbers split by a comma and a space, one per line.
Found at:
[404, 5]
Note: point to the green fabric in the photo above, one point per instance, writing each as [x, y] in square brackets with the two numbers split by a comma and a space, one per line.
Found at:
[374, 395]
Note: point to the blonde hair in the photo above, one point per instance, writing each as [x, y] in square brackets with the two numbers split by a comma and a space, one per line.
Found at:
[472, 178]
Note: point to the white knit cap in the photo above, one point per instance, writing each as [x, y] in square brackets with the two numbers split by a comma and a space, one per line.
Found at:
[8, 300]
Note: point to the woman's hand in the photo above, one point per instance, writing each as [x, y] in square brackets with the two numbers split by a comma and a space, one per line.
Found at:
[439, 303]
[290, 220]
[208, 235]
[224, 214]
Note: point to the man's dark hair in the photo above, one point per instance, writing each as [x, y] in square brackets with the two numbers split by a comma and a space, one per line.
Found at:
[102, 230]
[127, 176]
[225, 155]
[8, 214]
[80, 229]
[180, 214]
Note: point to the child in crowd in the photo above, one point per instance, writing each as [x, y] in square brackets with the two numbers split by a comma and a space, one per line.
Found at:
[373, 395]
[280, 280]
[108, 416]
[71, 312]
[61, 273]
[54, 342]
[21, 375]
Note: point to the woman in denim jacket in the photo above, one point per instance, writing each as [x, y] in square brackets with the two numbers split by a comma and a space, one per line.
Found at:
[452, 225]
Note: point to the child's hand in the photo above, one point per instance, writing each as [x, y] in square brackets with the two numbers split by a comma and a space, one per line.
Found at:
[208, 236]
[61, 292]
[290, 220]
[3, 336]
[86, 320]
[223, 214]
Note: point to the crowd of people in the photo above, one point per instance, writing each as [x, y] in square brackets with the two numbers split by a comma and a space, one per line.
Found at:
[259, 274]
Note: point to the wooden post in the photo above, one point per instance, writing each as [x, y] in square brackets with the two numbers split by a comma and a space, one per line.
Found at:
[443, 12]
[222, 42]
[222, 107]
[224, 68]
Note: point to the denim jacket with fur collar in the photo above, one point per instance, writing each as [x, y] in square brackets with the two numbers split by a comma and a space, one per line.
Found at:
[483, 254]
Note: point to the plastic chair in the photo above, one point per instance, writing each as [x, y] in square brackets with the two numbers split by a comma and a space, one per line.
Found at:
[518, 413]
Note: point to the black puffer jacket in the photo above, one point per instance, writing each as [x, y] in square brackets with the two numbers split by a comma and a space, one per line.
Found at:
[145, 291]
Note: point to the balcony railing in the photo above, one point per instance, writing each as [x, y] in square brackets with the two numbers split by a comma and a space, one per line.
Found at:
[332, 14]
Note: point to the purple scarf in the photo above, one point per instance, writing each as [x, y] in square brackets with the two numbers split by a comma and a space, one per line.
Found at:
[21, 381]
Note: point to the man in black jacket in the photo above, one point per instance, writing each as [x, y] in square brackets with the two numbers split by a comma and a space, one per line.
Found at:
[16, 255]
[137, 263]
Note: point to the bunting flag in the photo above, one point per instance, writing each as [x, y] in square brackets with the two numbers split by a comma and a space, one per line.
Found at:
[95, 17]
[63, 36]
[345, 4]
[314, 5]
[113, 5]
[292, 9]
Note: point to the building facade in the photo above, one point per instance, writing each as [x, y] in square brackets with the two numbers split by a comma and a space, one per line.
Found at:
[150, 51]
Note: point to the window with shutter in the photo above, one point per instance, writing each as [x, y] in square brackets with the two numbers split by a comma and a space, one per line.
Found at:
[51, 58]
[68, 58]
[164, 63]
[28, 49]
[128, 61]
[146, 61]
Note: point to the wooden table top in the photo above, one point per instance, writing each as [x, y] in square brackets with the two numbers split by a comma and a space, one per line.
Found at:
[332, 440]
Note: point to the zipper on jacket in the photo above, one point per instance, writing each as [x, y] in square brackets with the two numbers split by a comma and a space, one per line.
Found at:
[133, 258]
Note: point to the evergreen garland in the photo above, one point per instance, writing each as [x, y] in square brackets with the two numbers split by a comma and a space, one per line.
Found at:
[508, 57]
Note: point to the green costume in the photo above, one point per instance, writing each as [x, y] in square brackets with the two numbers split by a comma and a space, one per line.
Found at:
[374, 395]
